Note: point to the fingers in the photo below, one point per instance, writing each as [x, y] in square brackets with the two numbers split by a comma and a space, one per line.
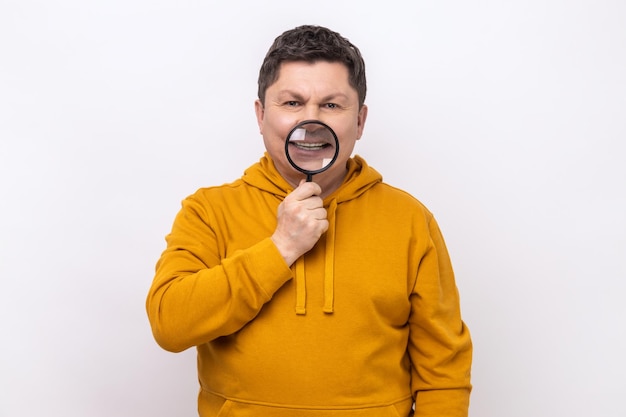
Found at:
[305, 190]
[304, 202]
[301, 221]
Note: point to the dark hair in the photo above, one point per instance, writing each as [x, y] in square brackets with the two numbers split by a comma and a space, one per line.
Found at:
[311, 44]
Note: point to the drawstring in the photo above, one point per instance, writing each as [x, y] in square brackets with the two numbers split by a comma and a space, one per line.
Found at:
[300, 286]
[329, 269]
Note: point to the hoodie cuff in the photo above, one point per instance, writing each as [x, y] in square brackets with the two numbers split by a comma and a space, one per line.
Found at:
[268, 266]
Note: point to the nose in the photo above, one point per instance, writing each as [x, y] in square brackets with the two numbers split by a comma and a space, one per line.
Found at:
[311, 112]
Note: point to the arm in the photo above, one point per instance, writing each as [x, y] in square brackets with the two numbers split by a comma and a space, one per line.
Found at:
[440, 346]
[199, 293]
[196, 296]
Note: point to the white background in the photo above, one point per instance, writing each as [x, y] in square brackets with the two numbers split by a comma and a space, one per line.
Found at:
[506, 118]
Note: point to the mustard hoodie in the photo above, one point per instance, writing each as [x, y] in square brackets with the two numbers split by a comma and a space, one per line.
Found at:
[365, 324]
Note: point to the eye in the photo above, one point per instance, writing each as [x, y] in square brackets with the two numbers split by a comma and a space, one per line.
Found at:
[291, 103]
[331, 106]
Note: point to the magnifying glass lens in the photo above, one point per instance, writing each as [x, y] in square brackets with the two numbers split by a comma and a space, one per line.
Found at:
[311, 147]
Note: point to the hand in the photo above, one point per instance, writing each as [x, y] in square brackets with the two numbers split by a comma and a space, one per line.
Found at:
[301, 221]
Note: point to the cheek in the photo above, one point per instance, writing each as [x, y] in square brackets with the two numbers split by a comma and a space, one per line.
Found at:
[279, 125]
[347, 149]
[349, 139]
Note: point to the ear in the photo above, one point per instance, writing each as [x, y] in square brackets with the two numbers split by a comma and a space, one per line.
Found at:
[259, 110]
[361, 117]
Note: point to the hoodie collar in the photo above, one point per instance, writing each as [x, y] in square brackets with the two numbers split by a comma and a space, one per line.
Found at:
[359, 178]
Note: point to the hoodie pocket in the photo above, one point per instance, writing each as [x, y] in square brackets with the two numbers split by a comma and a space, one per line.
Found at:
[225, 410]
[237, 409]
[211, 405]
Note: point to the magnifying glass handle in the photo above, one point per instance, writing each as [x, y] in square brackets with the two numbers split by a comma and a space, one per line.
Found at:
[309, 177]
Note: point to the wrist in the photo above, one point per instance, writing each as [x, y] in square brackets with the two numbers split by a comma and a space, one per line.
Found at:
[285, 250]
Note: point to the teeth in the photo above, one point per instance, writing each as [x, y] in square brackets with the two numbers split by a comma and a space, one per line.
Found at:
[309, 146]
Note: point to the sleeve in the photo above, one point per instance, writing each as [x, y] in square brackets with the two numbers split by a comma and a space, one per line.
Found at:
[196, 296]
[440, 346]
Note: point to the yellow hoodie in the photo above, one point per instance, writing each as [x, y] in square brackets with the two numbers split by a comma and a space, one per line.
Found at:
[365, 324]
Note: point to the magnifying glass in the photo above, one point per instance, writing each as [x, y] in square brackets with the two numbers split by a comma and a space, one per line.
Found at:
[311, 147]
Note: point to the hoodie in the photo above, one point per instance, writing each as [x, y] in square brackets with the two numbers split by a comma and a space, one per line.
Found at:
[367, 323]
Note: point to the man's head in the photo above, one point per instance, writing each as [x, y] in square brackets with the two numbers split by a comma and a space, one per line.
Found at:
[313, 44]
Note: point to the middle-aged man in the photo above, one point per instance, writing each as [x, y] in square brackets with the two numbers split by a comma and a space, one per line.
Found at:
[334, 297]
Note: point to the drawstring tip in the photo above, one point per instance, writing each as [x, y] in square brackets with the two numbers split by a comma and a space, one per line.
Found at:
[300, 311]
[328, 305]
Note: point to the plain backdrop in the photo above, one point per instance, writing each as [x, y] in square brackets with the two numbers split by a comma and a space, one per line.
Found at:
[506, 118]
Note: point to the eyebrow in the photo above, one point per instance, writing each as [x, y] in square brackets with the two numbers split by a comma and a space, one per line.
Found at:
[290, 93]
[299, 96]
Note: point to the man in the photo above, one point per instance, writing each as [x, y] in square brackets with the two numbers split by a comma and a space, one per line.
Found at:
[334, 297]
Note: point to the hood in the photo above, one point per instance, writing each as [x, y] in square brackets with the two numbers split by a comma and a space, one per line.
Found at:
[359, 178]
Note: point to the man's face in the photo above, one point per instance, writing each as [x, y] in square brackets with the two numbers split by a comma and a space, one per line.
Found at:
[305, 91]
